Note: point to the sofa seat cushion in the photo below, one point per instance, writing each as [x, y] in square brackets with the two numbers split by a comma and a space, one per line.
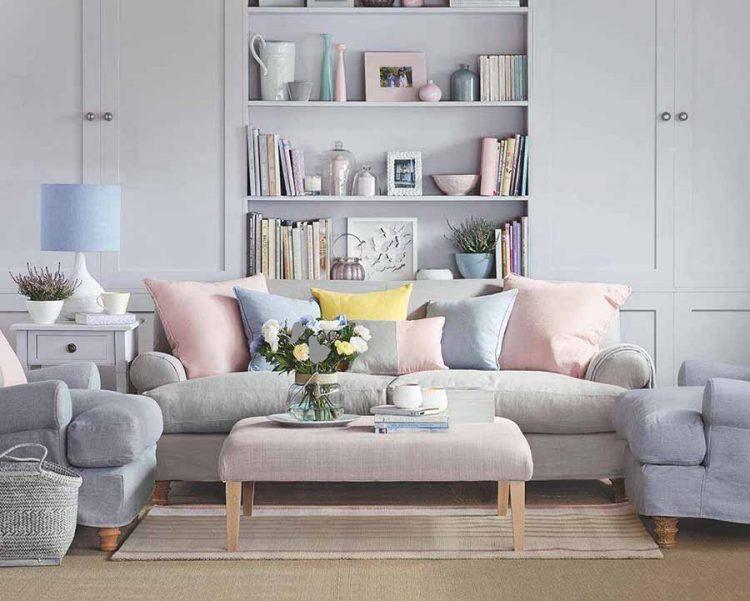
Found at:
[110, 429]
[216, 403]
[539, 402]
[663, 426]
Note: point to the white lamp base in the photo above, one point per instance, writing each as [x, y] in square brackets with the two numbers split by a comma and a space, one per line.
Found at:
[85, 297]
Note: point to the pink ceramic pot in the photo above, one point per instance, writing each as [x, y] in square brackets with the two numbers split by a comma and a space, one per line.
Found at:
[412, 3]
[430, 92]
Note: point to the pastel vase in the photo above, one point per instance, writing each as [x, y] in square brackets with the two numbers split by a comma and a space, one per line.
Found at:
[326, 83]
[430, 92]
[464, 85]
[475, 266]
[340, 92]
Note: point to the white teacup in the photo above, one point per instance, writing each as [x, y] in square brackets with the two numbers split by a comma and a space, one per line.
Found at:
[114, 303]
[434, 398]
[408, 396]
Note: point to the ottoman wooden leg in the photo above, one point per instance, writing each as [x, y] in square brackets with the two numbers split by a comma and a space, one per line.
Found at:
[234, 496]
[248, 494]
[160, 495]
[517, 508]
[665, 530]
[108, 538]
[503, 492]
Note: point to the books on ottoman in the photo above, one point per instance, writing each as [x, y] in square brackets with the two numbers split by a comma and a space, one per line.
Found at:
[390, 419]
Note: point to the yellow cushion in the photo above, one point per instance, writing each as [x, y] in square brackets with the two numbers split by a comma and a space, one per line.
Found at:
[384, 305]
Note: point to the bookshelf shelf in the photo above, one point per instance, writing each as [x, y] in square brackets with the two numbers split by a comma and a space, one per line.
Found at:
[397, 11]
[401, 199]
[288, 104]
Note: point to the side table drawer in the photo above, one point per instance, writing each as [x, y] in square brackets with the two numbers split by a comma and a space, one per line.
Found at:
[49, 348]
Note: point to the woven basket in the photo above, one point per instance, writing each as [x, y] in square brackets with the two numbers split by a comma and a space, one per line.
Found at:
[38, 508]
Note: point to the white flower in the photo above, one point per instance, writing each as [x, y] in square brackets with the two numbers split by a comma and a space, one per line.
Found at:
[362, 332]
[359, 344]
[271, 327]
[330, 326]
[301, 352]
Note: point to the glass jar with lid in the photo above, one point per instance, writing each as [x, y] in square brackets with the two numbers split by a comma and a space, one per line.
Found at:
[365, 182]
[338, 167]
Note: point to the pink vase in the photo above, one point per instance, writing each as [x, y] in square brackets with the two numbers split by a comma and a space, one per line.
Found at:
[430, 92]
[339, 94]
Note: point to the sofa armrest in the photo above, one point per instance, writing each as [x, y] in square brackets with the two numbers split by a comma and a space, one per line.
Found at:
[625, 365]
[726, 403]
[698, 373]
[35, 406]
[78, 376]
[153, 369]
[726, 415]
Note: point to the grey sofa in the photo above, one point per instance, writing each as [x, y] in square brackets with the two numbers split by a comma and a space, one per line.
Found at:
[107, 437]
[567, 421]
[688, 447]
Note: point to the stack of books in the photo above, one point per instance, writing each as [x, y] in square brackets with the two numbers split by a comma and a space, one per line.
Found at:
[503, 78]
[289, 250]
[505, 166]
[105, 319]
[274, 167]
[512, 248]
[389, 419]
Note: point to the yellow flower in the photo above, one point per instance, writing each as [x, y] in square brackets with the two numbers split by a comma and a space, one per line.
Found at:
[301, 352]
[344, 348]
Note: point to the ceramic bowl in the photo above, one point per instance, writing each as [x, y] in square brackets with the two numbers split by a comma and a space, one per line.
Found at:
[456, 185]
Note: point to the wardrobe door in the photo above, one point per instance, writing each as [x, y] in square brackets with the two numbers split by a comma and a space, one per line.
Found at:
[713, 144]
[602, 130]
[167, 68]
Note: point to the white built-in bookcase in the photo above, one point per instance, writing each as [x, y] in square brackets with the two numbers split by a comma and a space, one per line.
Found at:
[448, 134]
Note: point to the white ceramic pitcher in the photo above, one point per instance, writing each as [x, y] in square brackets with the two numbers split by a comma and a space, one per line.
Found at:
[276, 63]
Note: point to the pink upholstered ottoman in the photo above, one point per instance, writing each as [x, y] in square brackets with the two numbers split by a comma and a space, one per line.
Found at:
[259, 450]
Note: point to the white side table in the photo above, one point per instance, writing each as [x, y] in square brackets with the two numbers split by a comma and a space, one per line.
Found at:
[67, 342]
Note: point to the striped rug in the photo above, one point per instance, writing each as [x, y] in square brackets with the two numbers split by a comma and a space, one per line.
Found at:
[364, 532]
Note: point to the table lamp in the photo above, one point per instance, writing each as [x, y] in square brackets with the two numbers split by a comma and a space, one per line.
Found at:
[81, 218]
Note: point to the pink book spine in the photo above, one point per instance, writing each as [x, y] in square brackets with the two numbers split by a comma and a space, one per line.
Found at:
[489, 167]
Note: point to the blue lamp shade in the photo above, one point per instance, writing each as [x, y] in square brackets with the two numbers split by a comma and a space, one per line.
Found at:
[80, 217]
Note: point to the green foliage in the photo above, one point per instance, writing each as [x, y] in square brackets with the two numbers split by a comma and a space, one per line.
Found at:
[474, 235]
[43, 285]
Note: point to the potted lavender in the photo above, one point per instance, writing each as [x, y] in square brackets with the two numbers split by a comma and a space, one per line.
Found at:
[475, 238]
[45, 292]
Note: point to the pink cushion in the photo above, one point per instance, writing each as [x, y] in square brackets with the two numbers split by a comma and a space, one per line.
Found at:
[557, 326]
[11, 372]
[419, 345]
[202, 323]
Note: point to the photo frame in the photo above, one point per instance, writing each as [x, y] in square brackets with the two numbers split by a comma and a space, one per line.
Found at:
[404, 173]
[394, 76]
[386, 247]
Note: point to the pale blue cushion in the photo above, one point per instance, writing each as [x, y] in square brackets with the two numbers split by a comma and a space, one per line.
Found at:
[258, 307]
[474, 329]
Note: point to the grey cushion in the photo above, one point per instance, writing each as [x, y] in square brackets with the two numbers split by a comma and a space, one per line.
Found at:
[663, 426]
[216, 403]
[697, 373]
[83, 376]
[539, 402]
[154, 369]
[111, 429]
[626, 365]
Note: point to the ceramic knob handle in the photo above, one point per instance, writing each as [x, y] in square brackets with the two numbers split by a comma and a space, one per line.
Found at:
[683, 116]
[90, 116]
[71, 348]
[108, 116]
[666, 116]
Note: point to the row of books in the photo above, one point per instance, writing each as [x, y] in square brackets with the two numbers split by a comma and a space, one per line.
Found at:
[392, 420]
[505, 166]
[288, 250]
[503, 77]
[512, 248]
[274, 166]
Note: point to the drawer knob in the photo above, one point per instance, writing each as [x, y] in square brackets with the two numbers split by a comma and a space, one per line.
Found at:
[71, 348]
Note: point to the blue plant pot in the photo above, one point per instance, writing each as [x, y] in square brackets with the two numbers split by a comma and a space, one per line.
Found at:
[473, 266]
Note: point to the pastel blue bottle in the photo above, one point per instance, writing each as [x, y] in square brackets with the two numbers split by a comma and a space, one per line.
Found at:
[326, 80]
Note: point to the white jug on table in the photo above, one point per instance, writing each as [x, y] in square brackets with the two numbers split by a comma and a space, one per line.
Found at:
[276, 63]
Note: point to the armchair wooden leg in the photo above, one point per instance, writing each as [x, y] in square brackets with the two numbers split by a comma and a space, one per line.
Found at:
[618, 490]
[161, 492]
[108, 539]
[665, 530]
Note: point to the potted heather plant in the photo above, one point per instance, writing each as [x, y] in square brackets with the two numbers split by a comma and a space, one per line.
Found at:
[45, 292]
[475, 238]
[315, 351]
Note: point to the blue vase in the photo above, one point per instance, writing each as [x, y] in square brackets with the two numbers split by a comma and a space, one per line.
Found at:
[326, 81]
[464, 85]
[475, 266]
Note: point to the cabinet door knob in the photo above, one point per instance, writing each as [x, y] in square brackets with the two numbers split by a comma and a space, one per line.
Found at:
[71, 348]
[90, 116]
[666, 116]
[683, 116]
[108, 116]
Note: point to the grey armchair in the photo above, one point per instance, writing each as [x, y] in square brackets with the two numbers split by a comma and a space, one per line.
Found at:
[688, 452]
[108, 437]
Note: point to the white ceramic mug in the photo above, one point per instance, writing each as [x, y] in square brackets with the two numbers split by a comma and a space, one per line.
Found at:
[408, 396]
[114, 303]
[435, 398]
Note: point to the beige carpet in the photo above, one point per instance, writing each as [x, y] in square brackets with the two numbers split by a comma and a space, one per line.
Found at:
[367, 532]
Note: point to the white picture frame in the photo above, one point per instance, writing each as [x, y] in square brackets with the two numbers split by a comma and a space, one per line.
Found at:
[404, 173]
[386, 246]
[394, 76]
